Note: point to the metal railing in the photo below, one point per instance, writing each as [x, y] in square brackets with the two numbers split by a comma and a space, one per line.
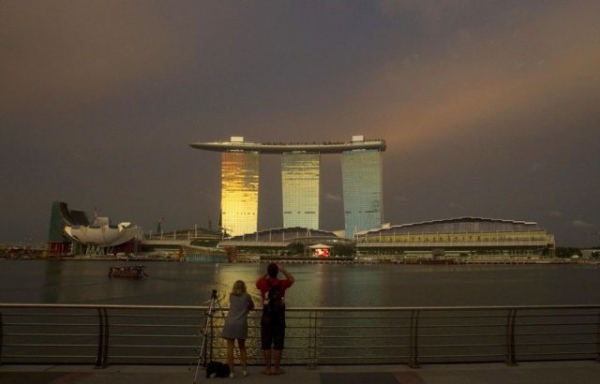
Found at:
[126, 334]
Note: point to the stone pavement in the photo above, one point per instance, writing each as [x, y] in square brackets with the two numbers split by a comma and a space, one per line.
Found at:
[579, 372]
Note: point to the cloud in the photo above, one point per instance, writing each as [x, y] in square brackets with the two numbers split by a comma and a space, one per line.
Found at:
[578, 223]
[429, 14]
[488, 105]
[456, 206]
[489, 77]
[62, 54]
[536, 167]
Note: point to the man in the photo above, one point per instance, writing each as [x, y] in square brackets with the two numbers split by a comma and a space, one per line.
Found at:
[272, 290]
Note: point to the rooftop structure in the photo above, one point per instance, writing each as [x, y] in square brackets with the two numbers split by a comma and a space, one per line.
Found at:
[237, 143]
[300, 174]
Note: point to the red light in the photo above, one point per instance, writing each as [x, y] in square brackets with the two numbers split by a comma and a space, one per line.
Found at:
[321, 252]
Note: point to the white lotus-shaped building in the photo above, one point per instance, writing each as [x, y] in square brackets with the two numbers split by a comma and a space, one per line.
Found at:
[103, 235]
[98, 236]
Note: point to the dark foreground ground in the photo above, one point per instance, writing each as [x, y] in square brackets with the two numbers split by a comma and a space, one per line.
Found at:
[580, 372]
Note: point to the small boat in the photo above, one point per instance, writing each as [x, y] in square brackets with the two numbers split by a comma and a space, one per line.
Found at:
[136, 272]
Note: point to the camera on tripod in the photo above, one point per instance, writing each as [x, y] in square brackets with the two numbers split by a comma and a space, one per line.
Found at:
[208, 322]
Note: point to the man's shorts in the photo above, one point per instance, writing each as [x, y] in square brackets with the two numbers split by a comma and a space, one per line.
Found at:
[272, 335]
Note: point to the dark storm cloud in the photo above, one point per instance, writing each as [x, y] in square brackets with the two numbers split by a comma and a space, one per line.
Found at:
[489, 108]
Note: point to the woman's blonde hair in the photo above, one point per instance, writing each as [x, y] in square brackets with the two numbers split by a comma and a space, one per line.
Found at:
[239, 287]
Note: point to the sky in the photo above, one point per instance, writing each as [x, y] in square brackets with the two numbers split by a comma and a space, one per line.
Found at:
[488, 108]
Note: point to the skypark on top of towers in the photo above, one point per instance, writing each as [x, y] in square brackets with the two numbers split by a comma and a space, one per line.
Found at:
[237, 143]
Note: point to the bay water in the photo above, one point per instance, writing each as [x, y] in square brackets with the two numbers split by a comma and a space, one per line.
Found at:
[317, 285]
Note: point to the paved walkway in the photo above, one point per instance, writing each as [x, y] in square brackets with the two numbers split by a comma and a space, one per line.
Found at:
[580, 372]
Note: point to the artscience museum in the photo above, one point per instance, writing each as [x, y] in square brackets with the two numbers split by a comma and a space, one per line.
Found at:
[95, 237]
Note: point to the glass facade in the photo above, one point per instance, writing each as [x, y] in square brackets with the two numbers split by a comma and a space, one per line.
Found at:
[300, 172]
[239, 192]
[363, 190]
[300, 189]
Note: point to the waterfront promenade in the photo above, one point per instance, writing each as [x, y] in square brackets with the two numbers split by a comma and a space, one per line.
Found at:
[580, 372]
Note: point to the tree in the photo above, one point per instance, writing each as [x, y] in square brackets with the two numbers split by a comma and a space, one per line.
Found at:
[566, 252]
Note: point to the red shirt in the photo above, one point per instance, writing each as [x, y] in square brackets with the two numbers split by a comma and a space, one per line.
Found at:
[263, 285]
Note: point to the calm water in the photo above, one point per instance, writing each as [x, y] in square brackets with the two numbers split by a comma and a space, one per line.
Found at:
[86, 282]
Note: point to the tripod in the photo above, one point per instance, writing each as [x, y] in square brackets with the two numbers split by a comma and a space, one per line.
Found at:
[214, 301]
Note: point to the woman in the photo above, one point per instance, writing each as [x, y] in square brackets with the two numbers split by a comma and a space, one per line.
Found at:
[236, 324]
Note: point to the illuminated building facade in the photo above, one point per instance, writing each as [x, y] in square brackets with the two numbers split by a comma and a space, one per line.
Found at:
[239, 191]
[363, 186]
[300, 189]
[300, 172]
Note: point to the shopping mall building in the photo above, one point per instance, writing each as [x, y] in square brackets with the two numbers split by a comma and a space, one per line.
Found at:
[465, 236]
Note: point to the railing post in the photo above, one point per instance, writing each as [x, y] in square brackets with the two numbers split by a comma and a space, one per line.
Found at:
[312, 339]
[1, 336]
[100, 338]
[414, 339]
[510, 358]
[597, 340]
[102, 356]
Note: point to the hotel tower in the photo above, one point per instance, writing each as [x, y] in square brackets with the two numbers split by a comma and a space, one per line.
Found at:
[300, 179]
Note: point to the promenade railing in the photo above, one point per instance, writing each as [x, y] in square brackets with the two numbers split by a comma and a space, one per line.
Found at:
[150, 334]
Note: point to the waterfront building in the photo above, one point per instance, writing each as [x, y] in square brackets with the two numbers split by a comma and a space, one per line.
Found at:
[363, 190]
[239, 191]
[300, 182]
[72, 232]
[590, 253]
[60, 215]
[464, 239]
[457, 237]
[290, 243]
[300, 171]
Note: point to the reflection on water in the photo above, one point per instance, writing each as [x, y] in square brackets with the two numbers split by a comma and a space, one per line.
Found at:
[316, 285]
